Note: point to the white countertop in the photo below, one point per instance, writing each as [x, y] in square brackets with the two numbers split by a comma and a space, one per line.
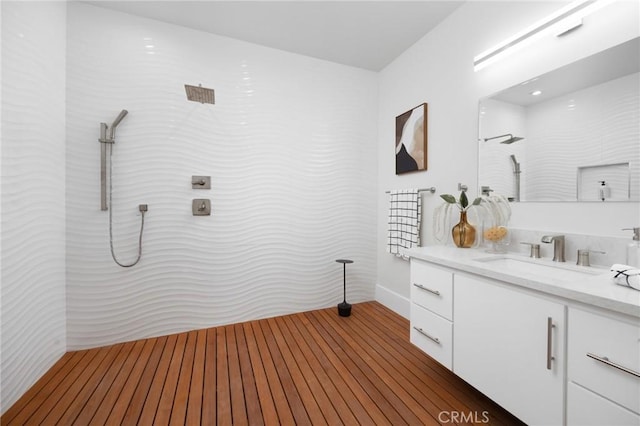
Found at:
[596, 290]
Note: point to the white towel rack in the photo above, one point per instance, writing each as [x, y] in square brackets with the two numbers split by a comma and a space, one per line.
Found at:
[431, 190]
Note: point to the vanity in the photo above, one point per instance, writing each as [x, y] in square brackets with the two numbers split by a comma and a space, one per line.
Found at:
[554, 344]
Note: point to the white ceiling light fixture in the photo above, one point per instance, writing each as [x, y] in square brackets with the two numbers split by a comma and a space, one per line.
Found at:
[560, 22]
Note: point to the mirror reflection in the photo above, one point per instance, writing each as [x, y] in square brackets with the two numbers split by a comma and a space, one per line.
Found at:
[572, 134]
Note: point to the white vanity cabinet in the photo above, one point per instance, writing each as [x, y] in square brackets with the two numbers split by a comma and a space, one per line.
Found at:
[432, 310]
[603, 369]
[549, 349]
[510, 345]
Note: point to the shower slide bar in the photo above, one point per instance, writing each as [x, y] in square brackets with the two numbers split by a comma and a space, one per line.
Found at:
[107, 140]
[103, 165]
[431, 190]
[107, 136]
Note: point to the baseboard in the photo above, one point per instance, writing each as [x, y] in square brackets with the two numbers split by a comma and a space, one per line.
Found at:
[394, 301]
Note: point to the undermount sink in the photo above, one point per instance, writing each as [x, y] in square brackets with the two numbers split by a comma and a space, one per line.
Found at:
[540, 268]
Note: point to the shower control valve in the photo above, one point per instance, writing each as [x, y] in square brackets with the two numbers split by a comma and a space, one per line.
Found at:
[201, 182]
[201, 207]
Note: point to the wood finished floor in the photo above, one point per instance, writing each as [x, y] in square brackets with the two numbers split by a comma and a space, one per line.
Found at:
[307, 368]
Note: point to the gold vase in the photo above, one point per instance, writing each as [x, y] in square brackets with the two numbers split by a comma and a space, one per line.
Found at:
[464, 234]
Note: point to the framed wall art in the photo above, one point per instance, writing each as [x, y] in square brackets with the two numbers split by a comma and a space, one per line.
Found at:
[411, 140]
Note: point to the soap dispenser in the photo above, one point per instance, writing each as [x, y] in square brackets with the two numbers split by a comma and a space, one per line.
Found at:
[604, 191]
[633, 248]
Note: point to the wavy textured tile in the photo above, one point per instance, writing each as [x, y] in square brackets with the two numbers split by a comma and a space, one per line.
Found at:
[33, 208]
[288, 145]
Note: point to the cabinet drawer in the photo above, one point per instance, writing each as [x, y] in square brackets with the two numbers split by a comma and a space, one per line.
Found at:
[585, 408]
[432, 334]
[596, 340]
[432, 288]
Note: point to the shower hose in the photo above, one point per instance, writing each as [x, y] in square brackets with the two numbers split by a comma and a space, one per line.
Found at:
[113, 255]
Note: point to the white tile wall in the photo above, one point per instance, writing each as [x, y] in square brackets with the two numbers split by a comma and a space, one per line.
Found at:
[1, 375]
[604, 130]
[290, 148]
[33, 192]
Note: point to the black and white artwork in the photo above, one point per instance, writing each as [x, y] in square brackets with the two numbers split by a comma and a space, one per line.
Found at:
[411, 140]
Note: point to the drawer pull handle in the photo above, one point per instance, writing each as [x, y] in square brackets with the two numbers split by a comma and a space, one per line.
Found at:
[550, 357]
[421, 287]
[427, 335]
[605, 360]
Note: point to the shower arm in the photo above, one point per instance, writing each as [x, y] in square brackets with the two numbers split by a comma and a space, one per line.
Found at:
[496, 137]
[511, 139]
[103, 165]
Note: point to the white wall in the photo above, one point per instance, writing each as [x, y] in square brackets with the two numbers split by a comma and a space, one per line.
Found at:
[288, 146]
[439, 70]
[1, 398]
[33, 191]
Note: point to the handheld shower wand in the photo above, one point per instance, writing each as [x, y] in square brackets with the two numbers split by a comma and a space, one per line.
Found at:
[107, 139]
[516, 172]
[516, 165]
[112, 129]
[107, 136]
[110, 136]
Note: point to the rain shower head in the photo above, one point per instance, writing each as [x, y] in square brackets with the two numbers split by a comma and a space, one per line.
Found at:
[200, 94]
[511, 139]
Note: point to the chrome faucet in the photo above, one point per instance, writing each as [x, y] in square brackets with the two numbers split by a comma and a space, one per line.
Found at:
[558, 246]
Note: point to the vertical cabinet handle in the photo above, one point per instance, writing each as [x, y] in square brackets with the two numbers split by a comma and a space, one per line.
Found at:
[550, 357]
[421, 287]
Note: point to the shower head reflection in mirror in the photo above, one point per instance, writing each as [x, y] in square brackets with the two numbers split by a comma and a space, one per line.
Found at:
[510, 138]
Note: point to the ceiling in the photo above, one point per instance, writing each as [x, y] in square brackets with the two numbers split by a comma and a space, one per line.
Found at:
[599, 68]
[363, 34]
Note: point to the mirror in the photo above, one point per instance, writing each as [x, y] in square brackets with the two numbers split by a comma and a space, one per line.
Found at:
[572, 134]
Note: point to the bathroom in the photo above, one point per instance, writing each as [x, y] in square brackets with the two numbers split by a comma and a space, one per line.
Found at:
[299, 154]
